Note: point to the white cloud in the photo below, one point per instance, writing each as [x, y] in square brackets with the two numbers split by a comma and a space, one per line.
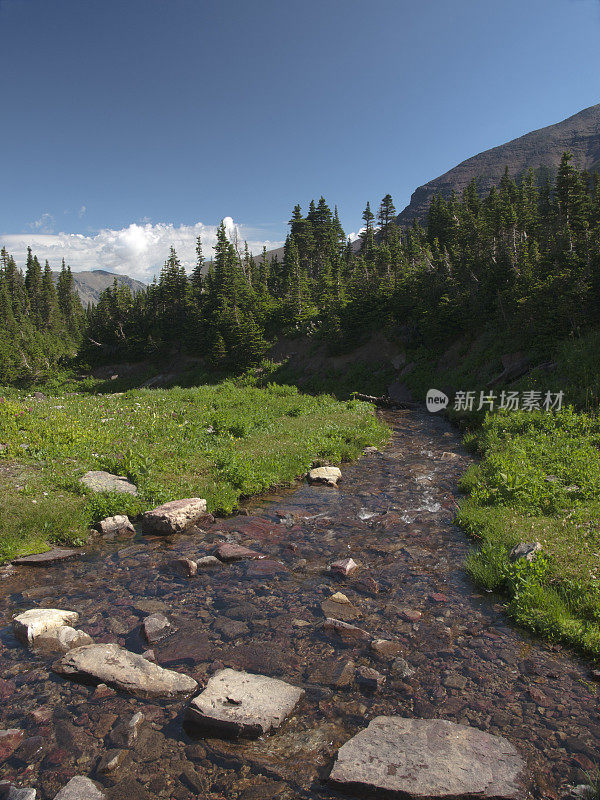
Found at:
[81, 212]
[138, 250]
[45, 224]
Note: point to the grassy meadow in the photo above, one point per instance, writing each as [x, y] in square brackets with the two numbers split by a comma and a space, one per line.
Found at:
[221, 442]
[539, 480]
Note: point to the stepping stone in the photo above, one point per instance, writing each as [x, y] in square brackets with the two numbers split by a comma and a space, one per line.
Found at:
[130, 672]
[100, 481]
[119, 525]
[238, 704]
[174, 517]
[329, 476]
[80, 788]
[236, 552]
[41, 622]
[63, 639]
[44, 559]
[416, 758]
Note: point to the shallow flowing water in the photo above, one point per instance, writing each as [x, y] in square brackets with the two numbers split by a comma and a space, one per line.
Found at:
[392, 513]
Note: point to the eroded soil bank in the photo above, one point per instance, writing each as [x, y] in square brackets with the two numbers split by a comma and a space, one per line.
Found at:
[460, 660]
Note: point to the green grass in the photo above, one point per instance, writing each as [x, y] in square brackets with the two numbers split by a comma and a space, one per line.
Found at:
[539, 480]
[220, 442]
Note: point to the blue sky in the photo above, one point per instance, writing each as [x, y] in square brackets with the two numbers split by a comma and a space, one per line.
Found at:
[129, 124]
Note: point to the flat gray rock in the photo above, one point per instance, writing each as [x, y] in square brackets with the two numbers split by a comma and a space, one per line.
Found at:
[80, 788]
[417, 759]
[63, 639]
[100, 481]
[43, 559]
[21, 794]
[174, 517]
[130, 672]
[240, 704]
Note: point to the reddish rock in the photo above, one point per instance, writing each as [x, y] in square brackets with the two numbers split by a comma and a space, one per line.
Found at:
[438, 597]
[349, 634]
[7, 688]
[228, 551]
[265, 567]
[184, 567]
[10, 739]
[410, 615]
[344, 567]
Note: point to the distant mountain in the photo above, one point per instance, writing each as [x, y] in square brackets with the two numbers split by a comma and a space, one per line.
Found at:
[540, 150]
[90, 285]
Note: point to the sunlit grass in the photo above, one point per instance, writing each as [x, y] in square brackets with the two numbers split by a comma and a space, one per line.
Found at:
[220, 442]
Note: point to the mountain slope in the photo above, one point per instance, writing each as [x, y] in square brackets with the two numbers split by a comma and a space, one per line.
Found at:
[540, 150]
[90, 285]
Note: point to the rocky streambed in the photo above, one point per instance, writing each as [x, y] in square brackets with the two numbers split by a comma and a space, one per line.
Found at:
[402, 634]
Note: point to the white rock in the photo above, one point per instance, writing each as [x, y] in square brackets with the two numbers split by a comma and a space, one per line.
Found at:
[174, 517]
[63, 639]
[80, 788]
[21, 794]
[240, 704]
[41, 621]
[119, 524]
[327, 475]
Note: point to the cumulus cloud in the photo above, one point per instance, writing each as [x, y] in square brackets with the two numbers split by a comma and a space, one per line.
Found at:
[138, 250]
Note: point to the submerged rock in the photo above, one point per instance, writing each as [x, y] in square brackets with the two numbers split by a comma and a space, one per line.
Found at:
[100, 481]
[80, 788]
[130, 672]
[344, 567]
[174, 517]
[240, 704]
[415, 758]
[44, 559]
[325, 475]
[156, 627]
[228, 551]
[41, 622]
[349, 634]
[10, 739]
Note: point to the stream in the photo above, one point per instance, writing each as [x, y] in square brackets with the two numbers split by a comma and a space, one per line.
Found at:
[456, 655]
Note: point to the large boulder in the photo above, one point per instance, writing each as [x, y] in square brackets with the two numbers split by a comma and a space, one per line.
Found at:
[100, 481]
[80, 788]
[433, 759]
[130, 672]
[240, 704]
[37, 622]
[174, 517]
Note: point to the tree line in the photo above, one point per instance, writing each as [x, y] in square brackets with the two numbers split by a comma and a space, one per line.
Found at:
[524, 259]
[41, 320]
